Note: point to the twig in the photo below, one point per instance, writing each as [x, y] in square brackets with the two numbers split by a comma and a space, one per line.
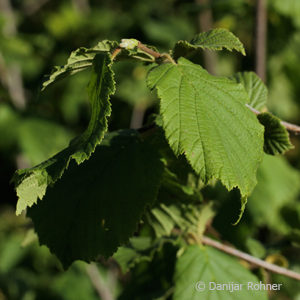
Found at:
[253, 260]
[82, 6]
[10, 26]
[33, 7]
[261, 32]
[11, 76]
[98, 283]
[115, 53]
[205, 23]
[149, 51]
[288, 126]
[137, 115]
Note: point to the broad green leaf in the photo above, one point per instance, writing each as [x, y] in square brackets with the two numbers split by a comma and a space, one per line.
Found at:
[32, 183]
[96, 206]
[200, 267]
[215, 39]
[255, 88]
[278, 185]
[79, 60]
[205, 118]
[277, 139]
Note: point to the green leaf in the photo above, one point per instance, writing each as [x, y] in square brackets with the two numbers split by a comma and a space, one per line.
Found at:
[277, 139]
[207, 265]
[215, 39]
[139, 249]
[32, 183]
[176, 204]
[278, 185]
[79, 60]
[134, 252]
[205, 118]
[96, 206]
[255, 88]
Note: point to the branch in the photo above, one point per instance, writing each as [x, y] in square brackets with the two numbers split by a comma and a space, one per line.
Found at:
[98, 283]
[205, 23]
[261, 32]
[253, 260]
[147, 50]
[34, 7]
[289, 126]
[10, 26]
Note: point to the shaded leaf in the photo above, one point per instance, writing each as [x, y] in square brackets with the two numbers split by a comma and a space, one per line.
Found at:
[32, 183]
[177, 205]
[96, 206]
[276, 136]
[215, 39]
[139, 249]
[206, 265]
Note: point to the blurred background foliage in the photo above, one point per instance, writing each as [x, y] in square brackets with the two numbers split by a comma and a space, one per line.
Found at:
[36, 35]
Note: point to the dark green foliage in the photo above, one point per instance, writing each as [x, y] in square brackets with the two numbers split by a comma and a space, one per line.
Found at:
[97, 205]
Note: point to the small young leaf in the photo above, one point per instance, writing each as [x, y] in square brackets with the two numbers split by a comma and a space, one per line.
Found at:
[200, 268]
[255, 88]
[79, 60]
[205, 118]
[276, 136]
[215, 39]
[32, 183]
[96, 206]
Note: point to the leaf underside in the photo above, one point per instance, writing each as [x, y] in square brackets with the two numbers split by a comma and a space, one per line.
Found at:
[276, 135]
[32, 183]
[215, 39]
[205, 118]
[95, 207]
[206, 265]
[79, 60]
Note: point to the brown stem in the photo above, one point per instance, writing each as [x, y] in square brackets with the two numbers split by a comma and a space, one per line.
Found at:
[34, 7]
[253, 260]
[261, 33]
[115, 53]
[10, 26]
[11, 75]
[81, 6]
[205, 23]
[148, 50]
[289, 126]
[98, 283]
[137, 116]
